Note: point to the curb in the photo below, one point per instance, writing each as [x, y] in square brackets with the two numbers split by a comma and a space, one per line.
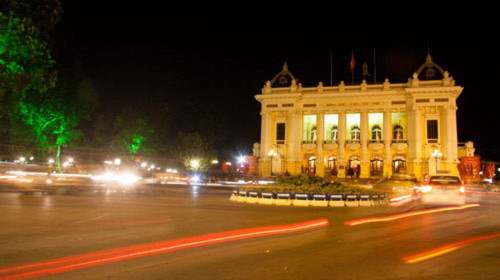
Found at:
[306, 199]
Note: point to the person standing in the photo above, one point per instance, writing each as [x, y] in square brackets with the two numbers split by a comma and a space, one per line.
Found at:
[358, 171]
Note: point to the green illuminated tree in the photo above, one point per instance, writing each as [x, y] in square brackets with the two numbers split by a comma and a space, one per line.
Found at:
[25, 62]
[54, 117]
[195, 153]
[135, 134]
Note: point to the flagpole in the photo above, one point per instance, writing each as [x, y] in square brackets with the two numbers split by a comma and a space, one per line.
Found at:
[374, 66]
[331, 68]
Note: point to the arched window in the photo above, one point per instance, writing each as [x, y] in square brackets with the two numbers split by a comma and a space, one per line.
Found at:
[376, 133]
[398, 164]
[376, 166]
[334, 132]
[332, 162]
[355, 132]
[398, 132]
[311, 165]
[313, 133]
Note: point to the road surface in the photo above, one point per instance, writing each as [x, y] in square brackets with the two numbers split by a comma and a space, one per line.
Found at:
[40, 228]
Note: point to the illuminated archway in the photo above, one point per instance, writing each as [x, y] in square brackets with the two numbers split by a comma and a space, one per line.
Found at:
[376, 166]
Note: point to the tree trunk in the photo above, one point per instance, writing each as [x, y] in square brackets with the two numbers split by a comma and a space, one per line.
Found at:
[58, 157]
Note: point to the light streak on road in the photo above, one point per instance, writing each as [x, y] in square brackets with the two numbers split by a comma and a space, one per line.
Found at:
[398, 201]
[407, 214]
[131, 252]
[445, 249]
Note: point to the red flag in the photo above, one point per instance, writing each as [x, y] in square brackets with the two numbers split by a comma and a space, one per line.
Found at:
[353, 63]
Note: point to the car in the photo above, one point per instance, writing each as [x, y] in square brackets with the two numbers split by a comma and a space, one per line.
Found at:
[445, 189]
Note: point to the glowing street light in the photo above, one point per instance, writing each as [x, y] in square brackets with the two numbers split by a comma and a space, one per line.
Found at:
[241, 159]
[436, 154]
[215, 161]
[32, 158]
[70, 160]
[195, 163]
[22, 159]
[144, 164]
[51, 161]
[117, 161]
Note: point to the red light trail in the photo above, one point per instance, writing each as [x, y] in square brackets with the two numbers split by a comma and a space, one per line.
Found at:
[445, 249]
[131, 252]
[405, 215]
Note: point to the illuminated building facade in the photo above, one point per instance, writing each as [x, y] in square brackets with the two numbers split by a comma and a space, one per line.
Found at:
[382, 129]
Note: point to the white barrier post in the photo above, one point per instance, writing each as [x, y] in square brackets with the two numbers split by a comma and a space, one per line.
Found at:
[253, 197]
[337, 200]
[351, 200]
[266, 198]
[283, 199]
[319, 200]
[364, 200]
[242, 196]
[301, 199]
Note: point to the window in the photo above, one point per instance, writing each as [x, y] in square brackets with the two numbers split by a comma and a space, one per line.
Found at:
[309, 129]
[332, 162]
[376, 133]
[397, 133]
[331, 127]
[334, 133]
[280, 133]
[355, 133]
[432, 131]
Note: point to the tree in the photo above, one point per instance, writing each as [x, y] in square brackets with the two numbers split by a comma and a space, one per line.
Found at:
[195, 153]
[54, 117]
[25, 62]
[135, 134]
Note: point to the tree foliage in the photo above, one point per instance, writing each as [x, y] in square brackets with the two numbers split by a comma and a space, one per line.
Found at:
[193, 150]
[25, 62]
[54, 116]
[135, 134]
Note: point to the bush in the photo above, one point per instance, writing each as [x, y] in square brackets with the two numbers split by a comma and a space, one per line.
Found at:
[304, 183]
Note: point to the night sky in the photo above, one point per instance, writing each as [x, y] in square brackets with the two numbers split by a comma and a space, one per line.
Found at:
[220, 55]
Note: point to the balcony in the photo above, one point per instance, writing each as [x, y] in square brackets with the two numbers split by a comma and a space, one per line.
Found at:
[399, 144]
[330, 144]
[375, 145]
[309, 145]
[352, 145]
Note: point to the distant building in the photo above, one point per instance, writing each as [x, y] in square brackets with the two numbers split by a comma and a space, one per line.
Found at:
[407, 128]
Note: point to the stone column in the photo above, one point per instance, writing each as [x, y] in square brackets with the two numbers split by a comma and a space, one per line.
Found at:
[341, 141]
[453, 121]
[264, 160]
[387, 143]
[291, 142]
[320, 162]
[365, 161]
[299, 119]
[417, 119]
[414, 163]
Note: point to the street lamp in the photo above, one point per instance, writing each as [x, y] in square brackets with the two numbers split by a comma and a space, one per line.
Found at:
[436, 154]
[272, 154]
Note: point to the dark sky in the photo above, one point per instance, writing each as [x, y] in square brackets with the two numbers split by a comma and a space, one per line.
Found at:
[220, 55]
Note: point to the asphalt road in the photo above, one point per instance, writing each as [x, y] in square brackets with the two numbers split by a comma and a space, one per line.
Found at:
[39, 228]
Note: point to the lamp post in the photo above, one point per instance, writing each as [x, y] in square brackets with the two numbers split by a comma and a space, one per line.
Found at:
[272, 154]
[436, 154]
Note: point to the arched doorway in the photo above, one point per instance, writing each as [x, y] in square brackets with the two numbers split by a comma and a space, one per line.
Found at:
[398, 164]
[311, 165]
[352, 166]
[376, 166]
[333, 165]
